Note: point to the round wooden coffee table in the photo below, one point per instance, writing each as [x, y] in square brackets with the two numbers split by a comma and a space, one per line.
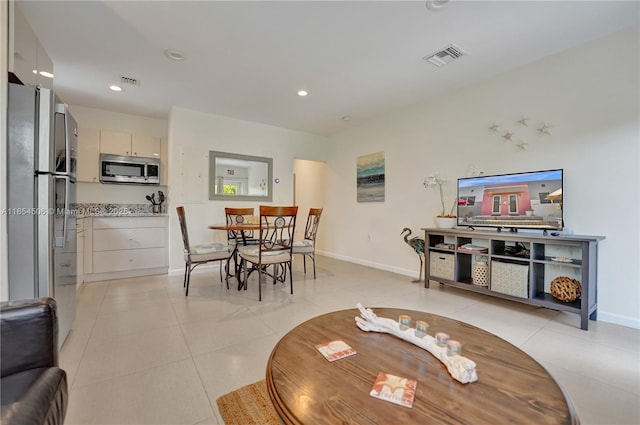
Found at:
[305, 388]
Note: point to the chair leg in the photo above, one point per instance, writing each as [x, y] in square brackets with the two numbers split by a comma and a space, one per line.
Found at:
[313, 258]
[260, 282]
[290, 275]
[186, 292]
[226, 272]
[246, 274]
[304, 262]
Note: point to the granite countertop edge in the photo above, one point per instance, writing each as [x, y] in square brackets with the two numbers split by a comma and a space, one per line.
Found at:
[103, 215]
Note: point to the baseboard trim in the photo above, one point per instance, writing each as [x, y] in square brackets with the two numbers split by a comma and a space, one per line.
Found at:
[374, 265]
[97, 277]
[618, 319]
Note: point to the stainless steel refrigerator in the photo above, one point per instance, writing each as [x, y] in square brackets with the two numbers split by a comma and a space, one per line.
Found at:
[42, 145]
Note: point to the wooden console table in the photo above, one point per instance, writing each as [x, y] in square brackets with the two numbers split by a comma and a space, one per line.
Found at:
[544, 258]
[307, 389]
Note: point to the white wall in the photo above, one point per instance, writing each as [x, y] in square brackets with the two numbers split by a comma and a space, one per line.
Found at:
[589, 94]
[192, 135]
[116, 121]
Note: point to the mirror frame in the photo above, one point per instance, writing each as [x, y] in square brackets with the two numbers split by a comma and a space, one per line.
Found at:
[214, 155]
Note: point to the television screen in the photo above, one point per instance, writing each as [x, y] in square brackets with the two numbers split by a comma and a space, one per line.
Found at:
[531, 200]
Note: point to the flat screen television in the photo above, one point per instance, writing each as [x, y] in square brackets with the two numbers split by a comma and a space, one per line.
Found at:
[531, 200]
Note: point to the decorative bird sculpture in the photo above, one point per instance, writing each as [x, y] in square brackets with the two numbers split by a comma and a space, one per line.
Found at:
[418, 246]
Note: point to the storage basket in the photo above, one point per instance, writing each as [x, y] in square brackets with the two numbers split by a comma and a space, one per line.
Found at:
[441, 265]
[510, 279]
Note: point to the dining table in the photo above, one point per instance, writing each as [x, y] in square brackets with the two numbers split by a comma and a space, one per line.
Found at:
[243, 229]
[306, 388]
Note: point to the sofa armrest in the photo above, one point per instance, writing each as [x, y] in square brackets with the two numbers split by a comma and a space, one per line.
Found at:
[29, 334]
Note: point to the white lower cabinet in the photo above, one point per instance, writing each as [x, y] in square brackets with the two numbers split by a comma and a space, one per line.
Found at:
[128, 246]
[131, 259]
[80, 248]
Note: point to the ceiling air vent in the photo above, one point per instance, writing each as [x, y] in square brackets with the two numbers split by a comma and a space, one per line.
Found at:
[129, 80]
[446, 55]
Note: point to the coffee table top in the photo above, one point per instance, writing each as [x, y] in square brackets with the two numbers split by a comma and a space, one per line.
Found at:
[307, 389]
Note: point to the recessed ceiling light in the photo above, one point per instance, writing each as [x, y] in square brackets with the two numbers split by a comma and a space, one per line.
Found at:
[437, 4]
[35, 71]
[302, 93]
[116, 88]
[46, 74]
[346, 118]
[173, 54]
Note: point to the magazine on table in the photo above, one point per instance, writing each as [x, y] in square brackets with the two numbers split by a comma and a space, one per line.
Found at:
[394, 389]
[335, 350]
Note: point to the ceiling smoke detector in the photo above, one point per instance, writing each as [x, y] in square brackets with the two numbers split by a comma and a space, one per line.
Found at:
[445, 56]
[129, 80]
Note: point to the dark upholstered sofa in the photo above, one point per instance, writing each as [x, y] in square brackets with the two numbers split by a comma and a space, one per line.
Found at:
[34, 388]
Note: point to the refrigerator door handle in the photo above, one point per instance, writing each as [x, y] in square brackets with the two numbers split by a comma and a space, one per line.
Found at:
[59, 241]
[61, 108]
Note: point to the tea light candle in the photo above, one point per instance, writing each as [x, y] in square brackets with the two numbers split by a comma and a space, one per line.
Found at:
[404, 321]
[453, 348]
[442, 338]
[421, 328]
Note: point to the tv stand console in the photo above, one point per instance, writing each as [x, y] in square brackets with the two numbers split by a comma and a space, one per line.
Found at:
[520, 267]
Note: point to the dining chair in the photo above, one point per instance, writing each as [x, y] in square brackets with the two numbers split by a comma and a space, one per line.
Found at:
[275, 243]
[194, 255]
[307, 246]
[239, 216]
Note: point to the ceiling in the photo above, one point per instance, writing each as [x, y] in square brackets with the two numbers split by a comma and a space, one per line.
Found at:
[247, 60]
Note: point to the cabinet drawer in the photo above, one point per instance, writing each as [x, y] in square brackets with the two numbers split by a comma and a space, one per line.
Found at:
[441, 265]
[128, 222]
[114, 239]
[131, 259]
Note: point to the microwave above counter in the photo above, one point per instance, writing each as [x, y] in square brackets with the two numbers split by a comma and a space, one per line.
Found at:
[119, 169]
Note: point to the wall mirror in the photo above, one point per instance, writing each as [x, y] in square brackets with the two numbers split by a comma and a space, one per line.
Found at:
[240, 177]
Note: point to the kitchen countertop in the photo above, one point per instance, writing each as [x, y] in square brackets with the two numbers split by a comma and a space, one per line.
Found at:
[117, 210]
[133, 214]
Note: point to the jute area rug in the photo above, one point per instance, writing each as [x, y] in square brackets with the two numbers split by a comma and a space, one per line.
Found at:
[249, 405]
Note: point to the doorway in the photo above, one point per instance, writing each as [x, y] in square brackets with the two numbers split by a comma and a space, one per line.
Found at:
[308, 190]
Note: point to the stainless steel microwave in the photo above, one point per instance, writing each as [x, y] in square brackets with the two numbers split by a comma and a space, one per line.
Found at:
[129, 169]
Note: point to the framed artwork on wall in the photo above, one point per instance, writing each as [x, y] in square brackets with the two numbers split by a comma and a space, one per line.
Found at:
[370, 178]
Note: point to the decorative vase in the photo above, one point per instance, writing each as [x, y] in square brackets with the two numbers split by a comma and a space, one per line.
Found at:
[480, 273]
[446, 222]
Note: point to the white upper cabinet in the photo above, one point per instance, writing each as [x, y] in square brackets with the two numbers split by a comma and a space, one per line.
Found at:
[145, 146]
[27, 58]
[115, 142]
[88, 155]
[127, 144]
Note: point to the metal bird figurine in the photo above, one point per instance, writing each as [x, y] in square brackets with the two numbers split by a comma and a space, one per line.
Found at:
[418, 246]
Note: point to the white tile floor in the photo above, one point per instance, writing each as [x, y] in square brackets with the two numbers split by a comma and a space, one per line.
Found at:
[140, 352]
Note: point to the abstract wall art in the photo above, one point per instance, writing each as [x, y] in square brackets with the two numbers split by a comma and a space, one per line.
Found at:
[370, 178]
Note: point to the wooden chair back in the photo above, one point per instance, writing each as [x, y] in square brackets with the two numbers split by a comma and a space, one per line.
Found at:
[313, 220]
[277, 227]
[183, 227]
[237, 216]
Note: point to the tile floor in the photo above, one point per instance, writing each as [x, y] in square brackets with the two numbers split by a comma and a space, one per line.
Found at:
[142, 353]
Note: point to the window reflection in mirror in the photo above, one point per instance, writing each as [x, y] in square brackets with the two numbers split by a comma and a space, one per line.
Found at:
[240, 177]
